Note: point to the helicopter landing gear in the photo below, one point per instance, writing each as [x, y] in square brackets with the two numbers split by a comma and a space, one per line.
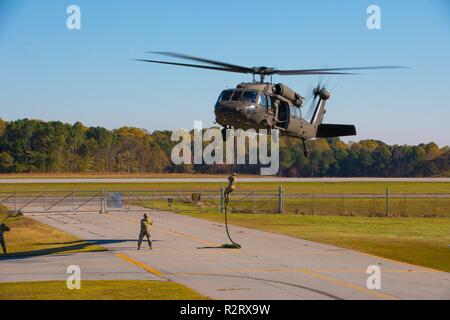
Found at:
[305, 149]
[224, 133]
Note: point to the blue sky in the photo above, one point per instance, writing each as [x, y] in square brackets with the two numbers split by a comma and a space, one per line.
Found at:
[52, 73]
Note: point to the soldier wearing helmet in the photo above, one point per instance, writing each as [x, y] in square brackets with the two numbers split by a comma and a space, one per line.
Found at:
[3, 228]
[146, 222]
[230, 188]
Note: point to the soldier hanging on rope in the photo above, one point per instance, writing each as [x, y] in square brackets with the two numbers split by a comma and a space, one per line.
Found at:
[230, 188]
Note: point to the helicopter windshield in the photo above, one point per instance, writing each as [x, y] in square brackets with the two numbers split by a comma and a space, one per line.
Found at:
[236, 95]
[249, 96]
[226, 95]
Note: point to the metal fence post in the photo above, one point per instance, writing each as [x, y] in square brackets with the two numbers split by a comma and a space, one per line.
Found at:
[435, 205]
[222, 200]
[387, 202]
[280, 200]
[153, 196]
[128, 201]
[252, 198]
[373, 205]
[404, 205]
[102, 200]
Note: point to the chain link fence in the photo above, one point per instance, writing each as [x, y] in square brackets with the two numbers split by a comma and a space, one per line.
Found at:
[212, 200]
[371, 205]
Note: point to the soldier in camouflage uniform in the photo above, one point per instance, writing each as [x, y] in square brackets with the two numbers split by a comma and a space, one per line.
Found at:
[3, 229]
[230, 188]
[146, 222]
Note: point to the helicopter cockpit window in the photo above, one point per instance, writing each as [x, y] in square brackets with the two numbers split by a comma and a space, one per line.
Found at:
[236, 95]
[225, 95]
[263, 100]
[249, 96]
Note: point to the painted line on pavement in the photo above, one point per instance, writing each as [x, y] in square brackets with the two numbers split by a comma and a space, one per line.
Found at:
[346, 284]
[140, 264]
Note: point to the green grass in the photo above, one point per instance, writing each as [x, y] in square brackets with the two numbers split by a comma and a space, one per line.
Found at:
[98, 290]
[29, 237]
[378, 187]
[418, 241]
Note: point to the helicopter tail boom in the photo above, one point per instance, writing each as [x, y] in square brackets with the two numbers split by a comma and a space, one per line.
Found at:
[319, 111]
[328, 130]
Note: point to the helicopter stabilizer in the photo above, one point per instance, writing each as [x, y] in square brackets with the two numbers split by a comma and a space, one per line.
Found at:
[335, 130]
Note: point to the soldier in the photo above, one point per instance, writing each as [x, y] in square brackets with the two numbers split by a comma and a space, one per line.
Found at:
[3, 229]
[230, 188]
[146, 222]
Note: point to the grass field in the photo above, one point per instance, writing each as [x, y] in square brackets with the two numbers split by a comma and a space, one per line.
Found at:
[413, 240]
[98, 290]
[108, 175]
[29, 237]
[378, 187]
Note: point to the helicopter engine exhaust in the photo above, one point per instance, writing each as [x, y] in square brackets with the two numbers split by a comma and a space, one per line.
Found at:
[288, 93]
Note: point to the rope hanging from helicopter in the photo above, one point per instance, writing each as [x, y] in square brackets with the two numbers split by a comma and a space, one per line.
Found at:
[233, 244]
[228, 190]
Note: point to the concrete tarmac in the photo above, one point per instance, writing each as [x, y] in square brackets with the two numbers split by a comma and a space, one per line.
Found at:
[186, 250]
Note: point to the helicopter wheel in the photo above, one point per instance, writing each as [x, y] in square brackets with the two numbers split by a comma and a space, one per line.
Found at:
[306, 153]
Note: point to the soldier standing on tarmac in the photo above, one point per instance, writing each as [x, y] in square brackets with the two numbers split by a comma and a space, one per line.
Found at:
[146, 222]
[3, 229]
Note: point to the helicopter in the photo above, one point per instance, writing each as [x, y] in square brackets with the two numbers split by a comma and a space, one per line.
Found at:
[260, 104]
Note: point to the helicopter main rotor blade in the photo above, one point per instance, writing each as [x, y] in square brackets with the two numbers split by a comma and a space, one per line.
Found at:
[198, 59]
[308, 73]
[192, 65]
[331, 70]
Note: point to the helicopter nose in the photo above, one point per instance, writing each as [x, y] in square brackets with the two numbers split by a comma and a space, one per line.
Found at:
[229, 113]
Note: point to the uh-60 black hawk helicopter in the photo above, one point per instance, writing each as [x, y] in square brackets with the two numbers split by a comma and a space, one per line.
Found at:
[264, 105]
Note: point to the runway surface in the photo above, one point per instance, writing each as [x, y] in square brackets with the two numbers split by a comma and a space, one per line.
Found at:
[269, 266]
[219, 180]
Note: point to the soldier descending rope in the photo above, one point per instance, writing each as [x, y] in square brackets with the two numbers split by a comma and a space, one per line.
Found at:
[230, 188]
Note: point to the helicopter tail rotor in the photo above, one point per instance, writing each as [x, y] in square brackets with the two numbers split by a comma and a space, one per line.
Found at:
[313, 95]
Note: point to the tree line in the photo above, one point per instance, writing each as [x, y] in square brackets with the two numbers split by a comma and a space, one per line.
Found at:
[34, 146]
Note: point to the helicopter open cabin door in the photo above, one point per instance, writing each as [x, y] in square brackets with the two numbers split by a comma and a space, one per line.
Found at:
[282, 115]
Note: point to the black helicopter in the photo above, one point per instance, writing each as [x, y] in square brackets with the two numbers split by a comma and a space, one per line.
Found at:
[264, 105]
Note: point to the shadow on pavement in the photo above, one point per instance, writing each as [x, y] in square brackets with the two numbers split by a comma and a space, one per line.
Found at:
[67, 247]
[64, 247]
